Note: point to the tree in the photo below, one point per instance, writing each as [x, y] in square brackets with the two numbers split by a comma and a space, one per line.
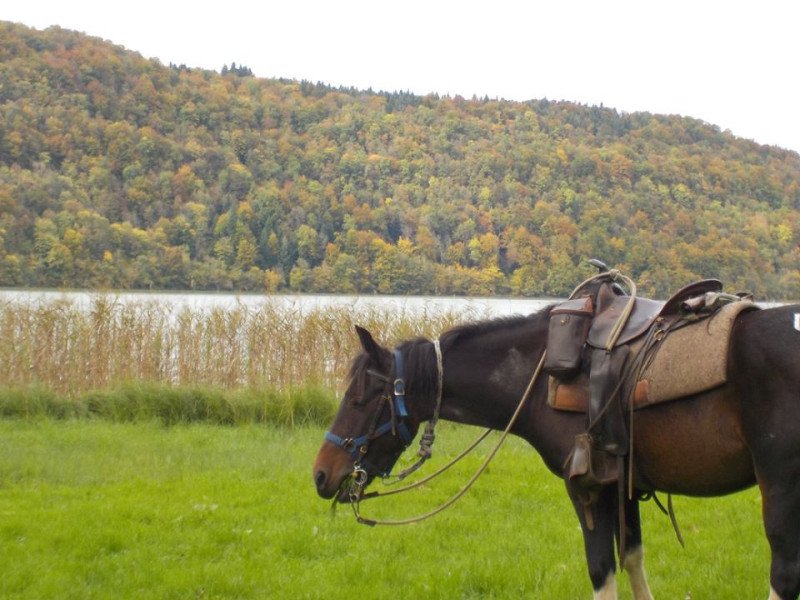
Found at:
[300, 277]
[308, 244]
[59, 264]
[223, 181]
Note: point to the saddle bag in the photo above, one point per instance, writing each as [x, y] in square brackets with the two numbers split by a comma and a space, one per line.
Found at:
[566, 337]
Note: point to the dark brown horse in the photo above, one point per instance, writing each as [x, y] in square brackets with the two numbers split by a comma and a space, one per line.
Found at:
[742, 433]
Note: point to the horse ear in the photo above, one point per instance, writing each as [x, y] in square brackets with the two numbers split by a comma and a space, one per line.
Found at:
[370, 346]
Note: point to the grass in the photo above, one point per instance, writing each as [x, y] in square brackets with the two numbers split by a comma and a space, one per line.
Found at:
[144, 401]
[93, 508]
[117, 479]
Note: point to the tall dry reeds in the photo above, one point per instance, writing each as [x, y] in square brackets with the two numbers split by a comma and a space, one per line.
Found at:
[73, 348]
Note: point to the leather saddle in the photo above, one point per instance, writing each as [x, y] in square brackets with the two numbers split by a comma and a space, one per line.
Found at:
[621, 335]
[610, 307]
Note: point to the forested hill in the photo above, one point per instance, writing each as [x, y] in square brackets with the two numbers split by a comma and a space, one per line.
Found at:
[120, 172]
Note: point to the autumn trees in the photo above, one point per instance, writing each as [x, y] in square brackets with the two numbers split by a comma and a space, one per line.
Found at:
[119, 172]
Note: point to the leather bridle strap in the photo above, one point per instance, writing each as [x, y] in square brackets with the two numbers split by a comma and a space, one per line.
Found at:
[428, 436]
[357, 447]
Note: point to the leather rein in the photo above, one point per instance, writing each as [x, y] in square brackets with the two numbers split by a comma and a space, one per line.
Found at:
[357, 447]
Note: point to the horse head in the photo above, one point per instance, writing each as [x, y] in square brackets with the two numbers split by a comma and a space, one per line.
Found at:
[373, 426]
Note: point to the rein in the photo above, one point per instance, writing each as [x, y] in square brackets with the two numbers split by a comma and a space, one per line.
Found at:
[359, 477]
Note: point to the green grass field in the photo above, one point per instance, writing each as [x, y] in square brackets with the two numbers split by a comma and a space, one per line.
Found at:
[95, 509]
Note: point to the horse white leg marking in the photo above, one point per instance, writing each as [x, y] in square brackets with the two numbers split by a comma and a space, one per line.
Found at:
[773, 595]
[609, 589]
[797, 321]
[634, 566]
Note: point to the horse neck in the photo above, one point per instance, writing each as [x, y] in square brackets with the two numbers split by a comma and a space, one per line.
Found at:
[487, 372]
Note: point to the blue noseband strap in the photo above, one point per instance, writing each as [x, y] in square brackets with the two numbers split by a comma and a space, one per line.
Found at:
[353, 445]
[396, 422]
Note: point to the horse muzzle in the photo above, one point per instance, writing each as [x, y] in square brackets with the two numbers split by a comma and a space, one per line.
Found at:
[331, 470]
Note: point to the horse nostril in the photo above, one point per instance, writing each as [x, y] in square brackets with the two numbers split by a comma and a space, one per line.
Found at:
[319, 479]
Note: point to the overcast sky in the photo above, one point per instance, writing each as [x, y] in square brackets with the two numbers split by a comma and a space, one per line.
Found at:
[730, 63]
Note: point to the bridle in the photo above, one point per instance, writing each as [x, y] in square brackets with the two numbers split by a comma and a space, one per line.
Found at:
[358, 480]
[358, 447]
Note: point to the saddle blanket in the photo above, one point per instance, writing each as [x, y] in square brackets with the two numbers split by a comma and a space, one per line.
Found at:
[689, 360]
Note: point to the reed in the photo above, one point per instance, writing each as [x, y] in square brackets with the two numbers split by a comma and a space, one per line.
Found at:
[143, 359]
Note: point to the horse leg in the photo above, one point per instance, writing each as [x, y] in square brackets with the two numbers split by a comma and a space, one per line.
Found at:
[763, 373]
[598, 541]
[781, 505]
[777, 462]
[633, 561]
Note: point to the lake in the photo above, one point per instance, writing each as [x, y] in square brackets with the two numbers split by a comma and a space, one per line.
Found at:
[478, 307]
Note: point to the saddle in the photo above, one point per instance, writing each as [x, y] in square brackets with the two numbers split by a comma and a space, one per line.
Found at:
[591, 320]
[598, 346]
[667, 374]
[645, 312]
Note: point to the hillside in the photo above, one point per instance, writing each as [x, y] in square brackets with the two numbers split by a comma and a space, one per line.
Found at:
[120, 172]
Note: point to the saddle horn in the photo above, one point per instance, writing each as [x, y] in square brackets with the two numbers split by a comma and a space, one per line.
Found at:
[603, 268]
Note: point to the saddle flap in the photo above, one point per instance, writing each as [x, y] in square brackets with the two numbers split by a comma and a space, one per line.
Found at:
[644, 313]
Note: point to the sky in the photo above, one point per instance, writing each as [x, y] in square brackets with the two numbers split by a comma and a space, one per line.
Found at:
[730, 63]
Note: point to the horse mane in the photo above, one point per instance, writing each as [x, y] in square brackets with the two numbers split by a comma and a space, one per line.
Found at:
[469, 331]
[421, 374]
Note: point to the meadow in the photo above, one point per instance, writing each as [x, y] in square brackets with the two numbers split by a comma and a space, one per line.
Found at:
[94, 509]
[147, 453]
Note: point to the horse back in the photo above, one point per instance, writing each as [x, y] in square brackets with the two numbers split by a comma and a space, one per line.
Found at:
[713, 442]
[765, 371]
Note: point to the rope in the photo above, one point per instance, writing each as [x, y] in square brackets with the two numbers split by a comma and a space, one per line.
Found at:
[426, 442]
[424, 480]
[355, 496]
[626, 312]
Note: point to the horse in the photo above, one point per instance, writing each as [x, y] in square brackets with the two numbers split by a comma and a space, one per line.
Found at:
[744, 432]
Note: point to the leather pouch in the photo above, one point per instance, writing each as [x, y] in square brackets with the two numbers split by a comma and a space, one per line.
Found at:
[566, 337]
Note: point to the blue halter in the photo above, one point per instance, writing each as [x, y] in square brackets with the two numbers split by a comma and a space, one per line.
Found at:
[357, 447]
